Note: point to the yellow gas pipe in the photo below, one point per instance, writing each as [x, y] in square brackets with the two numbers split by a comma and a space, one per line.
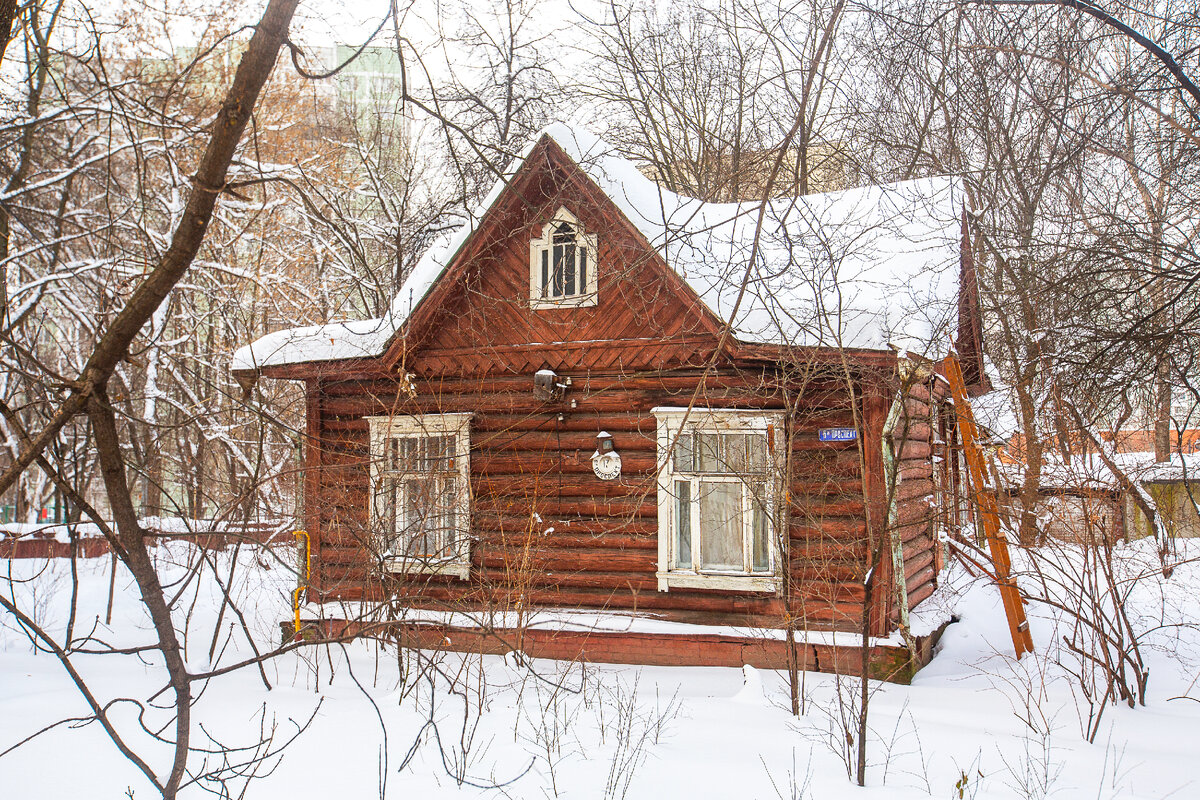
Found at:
[304, 584]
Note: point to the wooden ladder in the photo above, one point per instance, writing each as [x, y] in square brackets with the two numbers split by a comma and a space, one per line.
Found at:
[987, 506]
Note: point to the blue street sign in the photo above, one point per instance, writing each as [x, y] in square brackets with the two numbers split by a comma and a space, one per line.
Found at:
[837, 434]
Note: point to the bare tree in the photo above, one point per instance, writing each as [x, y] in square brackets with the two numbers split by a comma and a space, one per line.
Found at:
[704, 96]
[89, 394]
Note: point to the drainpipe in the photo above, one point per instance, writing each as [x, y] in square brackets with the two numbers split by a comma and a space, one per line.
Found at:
[303, 584]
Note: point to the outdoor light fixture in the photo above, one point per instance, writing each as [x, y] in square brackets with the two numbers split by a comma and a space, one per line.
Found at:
[606, 461]
[547, 386]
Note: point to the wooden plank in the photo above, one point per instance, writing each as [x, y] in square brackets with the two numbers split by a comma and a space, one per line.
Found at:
[486, 424]
[582, 526]
[561, 485]
[511, 462]
[875, 408]
[617, 508]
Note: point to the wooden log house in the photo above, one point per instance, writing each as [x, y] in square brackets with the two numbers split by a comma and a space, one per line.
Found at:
[605, 397]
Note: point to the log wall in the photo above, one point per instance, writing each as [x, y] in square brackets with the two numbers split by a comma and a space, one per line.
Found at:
[922, 489]
[603, 550]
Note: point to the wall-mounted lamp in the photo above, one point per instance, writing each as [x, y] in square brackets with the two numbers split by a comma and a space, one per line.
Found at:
[547, 386]
[606, 461]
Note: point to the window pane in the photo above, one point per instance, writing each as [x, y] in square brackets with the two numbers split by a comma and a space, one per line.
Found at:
[708, 456]
[416, 508]
[569, 270]
[564, 260]
[760, 549]
[431, 454]
[447, 527]
[757, 453]
[733, 459]
[683, 453]
[564, 263]
[556, 287]
[420, 461]
[401, 453]
[439, 454]
[721, 526]
[407, 449]
[683, 524]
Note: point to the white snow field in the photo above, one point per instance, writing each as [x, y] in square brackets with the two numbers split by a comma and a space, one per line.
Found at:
[974, 724]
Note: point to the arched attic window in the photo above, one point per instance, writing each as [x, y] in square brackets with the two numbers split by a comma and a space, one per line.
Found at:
[562, 264]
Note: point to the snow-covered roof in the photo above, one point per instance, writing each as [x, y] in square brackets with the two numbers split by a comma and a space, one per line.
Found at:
[1090, 472]
[862, 268]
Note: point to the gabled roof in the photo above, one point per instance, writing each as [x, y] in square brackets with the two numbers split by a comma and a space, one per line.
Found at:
[864, 268]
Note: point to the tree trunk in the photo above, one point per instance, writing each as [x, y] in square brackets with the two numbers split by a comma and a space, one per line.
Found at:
[8, 14]
[89, 393]
[1031, 484]
[141, 566]
[1162, 411]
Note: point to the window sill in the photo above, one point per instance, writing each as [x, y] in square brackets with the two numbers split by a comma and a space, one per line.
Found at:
[722, 582]
[453, 569]
[576, 301]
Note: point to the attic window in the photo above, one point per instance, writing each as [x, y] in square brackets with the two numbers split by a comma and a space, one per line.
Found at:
[562, 264]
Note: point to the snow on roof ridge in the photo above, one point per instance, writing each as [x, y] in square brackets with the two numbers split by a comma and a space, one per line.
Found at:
[819, 278]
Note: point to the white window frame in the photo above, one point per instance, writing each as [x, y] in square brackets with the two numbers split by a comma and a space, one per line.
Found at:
[382, 430]
[543, 247]
[708, 420]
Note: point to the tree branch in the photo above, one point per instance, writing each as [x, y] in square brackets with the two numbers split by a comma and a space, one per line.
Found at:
[1105, 18]
[252, 73]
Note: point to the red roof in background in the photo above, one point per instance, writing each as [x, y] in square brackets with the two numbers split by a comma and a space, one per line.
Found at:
[1143, 441]
[1125, 441]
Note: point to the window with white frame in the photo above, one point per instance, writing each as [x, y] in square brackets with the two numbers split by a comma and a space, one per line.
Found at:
[420, 492]
[562, 264]
[717, 486]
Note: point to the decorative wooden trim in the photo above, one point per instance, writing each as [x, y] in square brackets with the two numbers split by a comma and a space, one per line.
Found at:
[670, 419]
[540, 347]
[679, 579]
[589, 296]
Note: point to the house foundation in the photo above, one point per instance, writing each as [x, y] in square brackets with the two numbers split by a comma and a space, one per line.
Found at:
[839, 653]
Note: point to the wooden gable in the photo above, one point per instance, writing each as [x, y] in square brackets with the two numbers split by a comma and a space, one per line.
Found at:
[478, 318]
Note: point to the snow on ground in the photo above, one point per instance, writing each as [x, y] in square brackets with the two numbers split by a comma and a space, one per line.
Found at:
[974, 724]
